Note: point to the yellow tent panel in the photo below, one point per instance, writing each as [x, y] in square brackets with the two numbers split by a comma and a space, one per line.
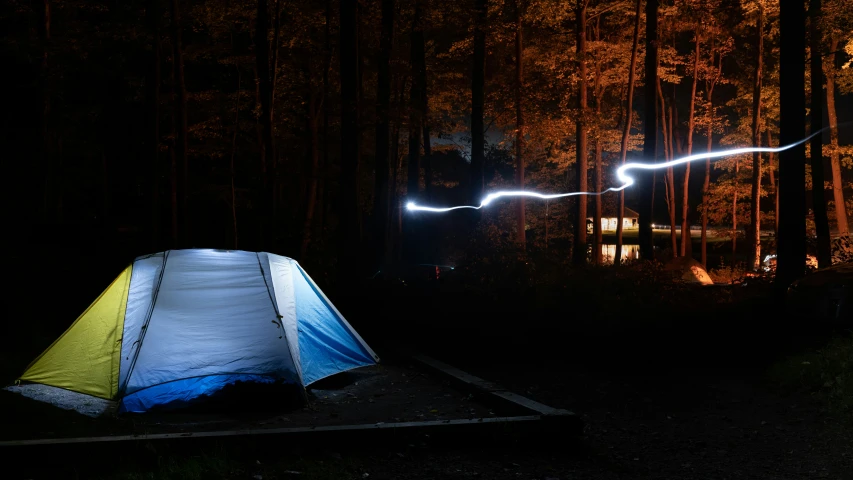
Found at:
[86, 357]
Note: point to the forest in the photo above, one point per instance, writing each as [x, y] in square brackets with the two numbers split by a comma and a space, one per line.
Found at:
[304, 127]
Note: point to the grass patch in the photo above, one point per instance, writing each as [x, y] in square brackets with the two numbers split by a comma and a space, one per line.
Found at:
[826, 372]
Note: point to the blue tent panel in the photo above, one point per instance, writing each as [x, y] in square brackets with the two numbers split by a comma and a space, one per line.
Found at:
[327, 347]
[181, 393]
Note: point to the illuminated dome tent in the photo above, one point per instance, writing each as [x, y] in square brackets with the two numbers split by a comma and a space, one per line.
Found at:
[181, 324]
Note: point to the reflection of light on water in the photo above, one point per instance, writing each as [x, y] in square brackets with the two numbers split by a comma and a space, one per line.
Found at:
[629, 252]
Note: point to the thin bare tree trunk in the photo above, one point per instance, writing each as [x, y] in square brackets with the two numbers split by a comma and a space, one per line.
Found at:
[626, 131]
[42, 8]
[734, 210]
[772, 170]
[181, 131]
[597, 173]
[327, 66]
[754, 257]
[233, 153]
[173, 165]
[396, 161]
[478, 96]
[691, 123]
[395, 234]
[314, 127]
[415, 105]
[669, 179]
[581, 166]
[519, 124]
[706, 194]
[381, 194]
[706, 186]
[262, 61]
[835, 160]
[274, 47]
[152, 13]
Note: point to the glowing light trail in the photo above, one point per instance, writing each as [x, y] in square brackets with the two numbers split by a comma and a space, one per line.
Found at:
[621, 174]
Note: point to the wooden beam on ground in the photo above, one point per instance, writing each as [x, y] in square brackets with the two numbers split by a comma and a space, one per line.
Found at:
[487, 389]
[402, 427]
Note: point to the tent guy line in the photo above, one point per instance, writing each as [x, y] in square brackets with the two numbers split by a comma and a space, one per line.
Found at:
[621, 174]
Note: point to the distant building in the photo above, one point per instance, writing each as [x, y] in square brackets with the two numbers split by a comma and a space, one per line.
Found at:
[610, 218]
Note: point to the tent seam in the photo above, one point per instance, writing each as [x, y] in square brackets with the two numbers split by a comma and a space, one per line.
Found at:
[144, 329]
[116, 369]
[269, 294]
[297, 368]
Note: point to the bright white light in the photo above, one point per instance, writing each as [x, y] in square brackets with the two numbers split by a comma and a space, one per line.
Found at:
[621, 174]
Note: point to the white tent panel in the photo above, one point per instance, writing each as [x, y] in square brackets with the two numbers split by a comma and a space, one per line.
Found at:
[214, 315]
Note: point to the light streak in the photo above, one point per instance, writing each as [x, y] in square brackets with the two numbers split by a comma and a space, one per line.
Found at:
[621, 174]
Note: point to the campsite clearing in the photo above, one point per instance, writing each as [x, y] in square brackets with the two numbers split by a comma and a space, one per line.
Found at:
[383, 393]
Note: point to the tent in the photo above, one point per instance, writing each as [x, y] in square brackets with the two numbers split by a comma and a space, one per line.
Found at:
[180, 324]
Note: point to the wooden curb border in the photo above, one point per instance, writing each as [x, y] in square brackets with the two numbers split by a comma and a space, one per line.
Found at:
[388, 427]
[570, 422]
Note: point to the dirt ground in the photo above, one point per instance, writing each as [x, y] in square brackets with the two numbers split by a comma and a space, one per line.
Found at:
[383, 393]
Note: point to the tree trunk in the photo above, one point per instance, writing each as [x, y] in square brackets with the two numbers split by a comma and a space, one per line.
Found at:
[599, 165]
[415, 105]
[824, 248]
[706, 193]
[581, 168]
[42, 9]
[598, 235]
[181, 133]
[383, 102]
[734, 210]
[645, 180]
[262, 61]
[173, 168]
[686, 239]
[327, 65]
[519, 125]
[395, 206]
[478, 93]
[835, 160]
[152, 15]
[412, 240]
[315, 112]
[396, 164]
[424, 110]
[773, 187]
[706, 186]
[754, 249]
[673, 234]
[274, 61]
[792, 169]
[231, 170]
[669, 179]
[626, 131]
[359, 103]
[349, 205]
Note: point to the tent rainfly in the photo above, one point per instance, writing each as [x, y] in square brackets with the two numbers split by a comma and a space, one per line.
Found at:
[180, 324]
